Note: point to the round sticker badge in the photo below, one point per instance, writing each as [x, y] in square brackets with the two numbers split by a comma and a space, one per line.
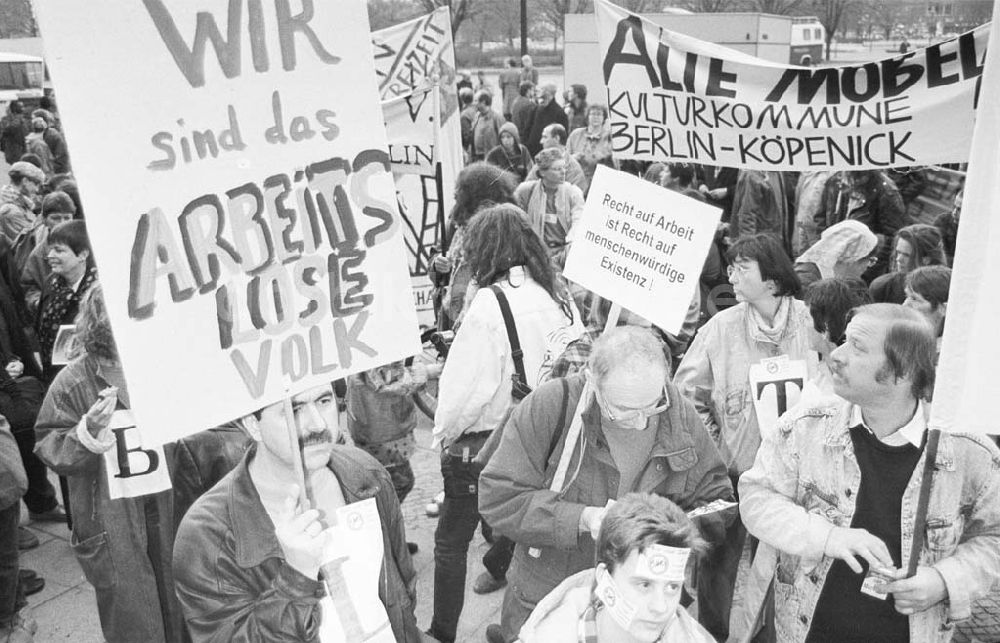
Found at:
[355, 521]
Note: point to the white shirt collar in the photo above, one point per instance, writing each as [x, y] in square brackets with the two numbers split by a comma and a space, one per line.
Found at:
[910, 433]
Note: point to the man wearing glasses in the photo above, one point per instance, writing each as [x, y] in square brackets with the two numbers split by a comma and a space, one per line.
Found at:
[636, 433]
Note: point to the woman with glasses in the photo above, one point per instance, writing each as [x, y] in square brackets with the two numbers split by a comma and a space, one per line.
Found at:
[768, 322]
[846, 250]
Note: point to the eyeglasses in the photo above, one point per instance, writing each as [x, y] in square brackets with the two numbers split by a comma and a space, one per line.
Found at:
[633, 414]
[742, 271]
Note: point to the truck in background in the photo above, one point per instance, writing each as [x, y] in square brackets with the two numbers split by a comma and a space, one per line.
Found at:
[807, 42]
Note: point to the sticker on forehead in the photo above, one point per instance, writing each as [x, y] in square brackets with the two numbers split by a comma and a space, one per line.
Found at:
[666, 562]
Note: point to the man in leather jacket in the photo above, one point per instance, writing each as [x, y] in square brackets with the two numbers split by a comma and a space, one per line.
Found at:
[252, 564]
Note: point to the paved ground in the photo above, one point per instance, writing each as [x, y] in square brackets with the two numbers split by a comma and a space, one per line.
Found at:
[66, 609]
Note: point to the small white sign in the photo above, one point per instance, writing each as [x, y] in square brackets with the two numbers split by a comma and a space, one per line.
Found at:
[776, 385]
[354, 550]
[641, 246]
[132, 469]
[62, 348]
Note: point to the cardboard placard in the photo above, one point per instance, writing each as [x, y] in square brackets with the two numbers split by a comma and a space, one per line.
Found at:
[776, 385]
[641, 245]
[239, 199]
[131, 469]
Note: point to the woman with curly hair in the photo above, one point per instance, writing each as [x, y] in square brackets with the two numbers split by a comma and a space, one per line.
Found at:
[123, 545]
[479, 186]
[915, 246]
[506, 259]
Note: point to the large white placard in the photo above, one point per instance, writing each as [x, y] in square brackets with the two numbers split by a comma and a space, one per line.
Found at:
[675, 98]
[238, 196]
[641, 245]
[966, 383]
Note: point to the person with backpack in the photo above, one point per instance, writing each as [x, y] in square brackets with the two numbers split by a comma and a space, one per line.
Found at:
[575, 446]
[493, 361]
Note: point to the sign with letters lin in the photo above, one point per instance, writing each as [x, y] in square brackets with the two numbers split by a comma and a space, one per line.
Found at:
[239, 197]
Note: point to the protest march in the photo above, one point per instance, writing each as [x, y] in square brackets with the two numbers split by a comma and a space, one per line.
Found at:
[679, 345]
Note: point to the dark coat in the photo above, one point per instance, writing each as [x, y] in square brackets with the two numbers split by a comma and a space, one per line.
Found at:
[544, 116]
[231, 576]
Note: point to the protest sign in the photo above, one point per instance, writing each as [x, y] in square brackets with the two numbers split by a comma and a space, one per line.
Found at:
[675, 98]
[410, 126]
[238, 196]
[130, 469]
[966, 382]
[412, 56]
[641, 246]
[776, 385]
[64, 346]
[354, 550]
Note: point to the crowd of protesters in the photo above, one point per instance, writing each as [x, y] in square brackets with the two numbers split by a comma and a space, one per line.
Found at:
[628, 488]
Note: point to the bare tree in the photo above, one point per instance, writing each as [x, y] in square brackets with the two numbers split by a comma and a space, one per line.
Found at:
[882, 15]
[386, 13]
[642, 6]
[779, 7]
[554, 11]
[17, 19]
[831, 14]
[707, 6]
[505, 19]
[460, 9]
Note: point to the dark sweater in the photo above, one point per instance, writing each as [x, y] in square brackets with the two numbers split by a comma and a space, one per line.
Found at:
[843, 613]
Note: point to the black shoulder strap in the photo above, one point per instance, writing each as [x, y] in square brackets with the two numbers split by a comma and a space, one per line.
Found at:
[515, 344]
[562, 419]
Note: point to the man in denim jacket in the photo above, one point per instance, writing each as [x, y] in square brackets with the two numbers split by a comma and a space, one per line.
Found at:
[835, 490]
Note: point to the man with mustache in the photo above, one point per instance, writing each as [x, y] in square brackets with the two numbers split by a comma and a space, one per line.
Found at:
[252, 564]
[835, 489]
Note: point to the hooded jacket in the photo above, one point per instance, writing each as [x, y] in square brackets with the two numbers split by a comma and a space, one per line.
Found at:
[516, 162]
